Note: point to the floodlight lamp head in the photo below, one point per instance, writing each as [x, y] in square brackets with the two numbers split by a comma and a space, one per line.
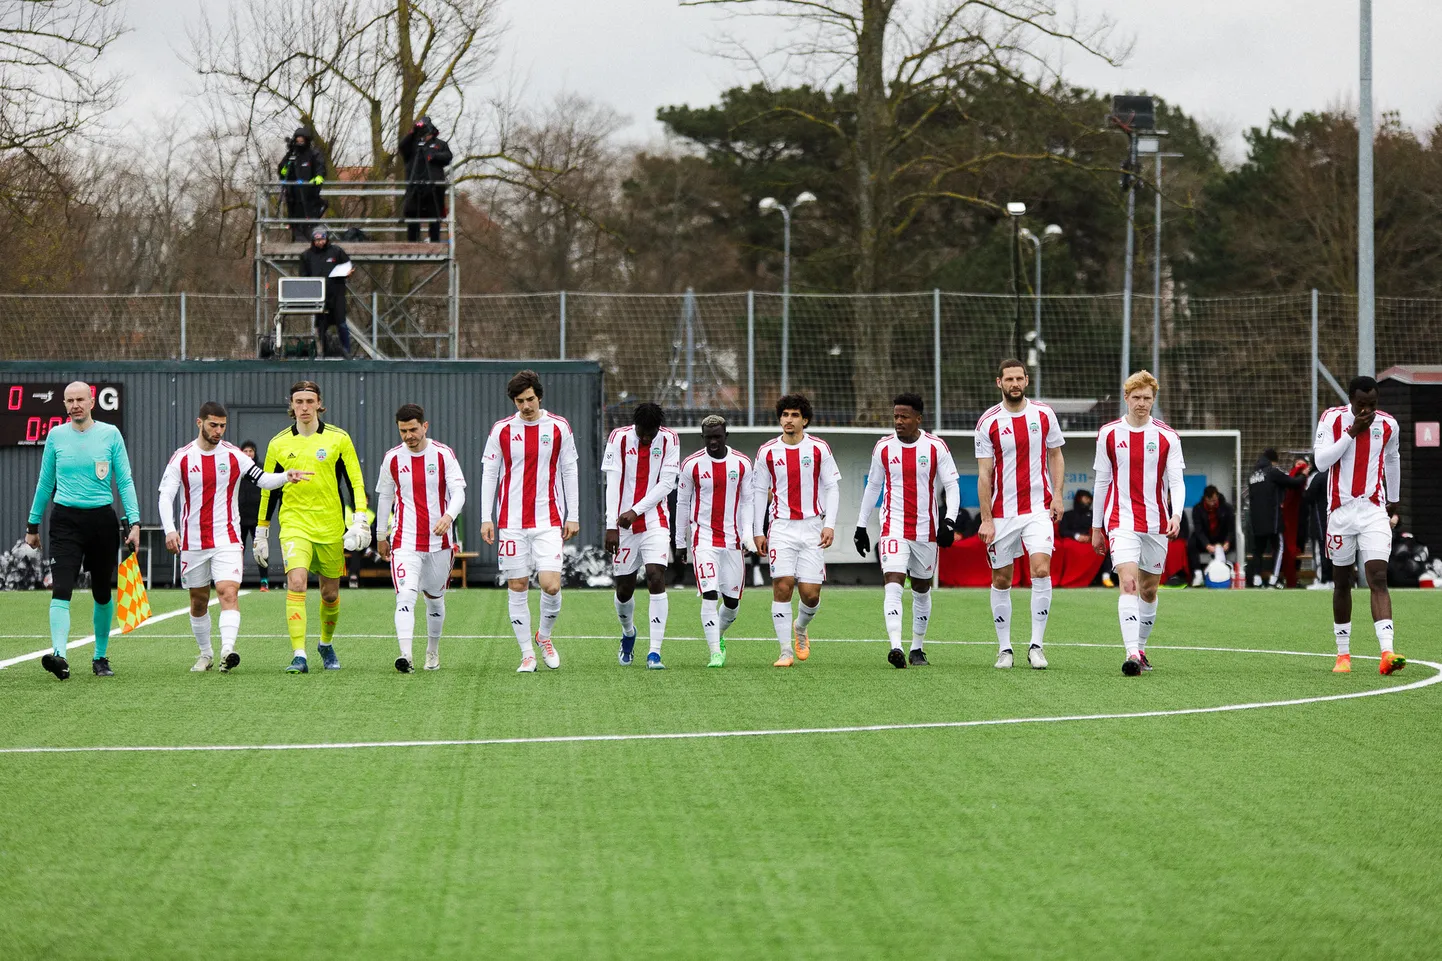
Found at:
[1052, 230]
[1015, 208]
[805, 197]
[1026, 234]
[767, 205]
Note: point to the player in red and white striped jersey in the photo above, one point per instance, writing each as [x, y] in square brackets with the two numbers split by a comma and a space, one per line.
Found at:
[797, 487]
[1020, 468]
[1136, 506]
[208, 473]
[1360, 446]
[908, 470]
[713, 522]
[641, 465]
[422, 479]
[530, 460]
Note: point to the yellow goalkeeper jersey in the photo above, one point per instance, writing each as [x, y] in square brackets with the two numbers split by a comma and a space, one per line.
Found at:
[314, 509]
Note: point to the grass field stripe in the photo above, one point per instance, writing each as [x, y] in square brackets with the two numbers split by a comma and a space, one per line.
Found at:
[764, 732]
[90, 638]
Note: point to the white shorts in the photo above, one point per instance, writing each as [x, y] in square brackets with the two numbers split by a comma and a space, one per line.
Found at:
[215, 564]
[914, 558]
[795, 550]
[718, 569]
[524, 552]
[1359, 526]
[651, 546]
[1147, 551]
[429, 572]
[1029, 533]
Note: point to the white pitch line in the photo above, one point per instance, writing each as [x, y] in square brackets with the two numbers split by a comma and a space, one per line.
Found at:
[772, 732]
[90, 638]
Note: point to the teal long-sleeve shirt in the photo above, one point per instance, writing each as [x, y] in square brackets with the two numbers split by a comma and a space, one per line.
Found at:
[78, 468]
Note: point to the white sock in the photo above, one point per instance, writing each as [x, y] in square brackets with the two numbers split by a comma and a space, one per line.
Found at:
[200, 627]
[1148, 612]
[920, 618]
[1130, 620]
[711, 624]
[626, 614]
[229, 630]
[435, 621]
[781, 622]
[728, 615]
[660, 610]
[1343, 634]
[550, 610]
[519, 607]
[406, 621]
[804, 614]
[1001, 617]
[1384, 634]
[1040, 609]
[891, 609]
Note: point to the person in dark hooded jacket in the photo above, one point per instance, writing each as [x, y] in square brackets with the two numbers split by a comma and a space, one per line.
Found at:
[1213, 525]
[1265, 489]
[319, 260]
[426, 156]
[303, 171]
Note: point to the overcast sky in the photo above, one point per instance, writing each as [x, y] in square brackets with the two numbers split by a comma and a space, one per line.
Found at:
[1227, 62]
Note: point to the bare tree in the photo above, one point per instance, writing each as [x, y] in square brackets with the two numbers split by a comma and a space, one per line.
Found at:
[51, 85]
[912, 66]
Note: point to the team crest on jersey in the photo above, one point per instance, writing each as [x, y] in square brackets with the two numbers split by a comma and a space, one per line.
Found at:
[734, 475]
[102, 469]
[922, 460]
[320, 454]
[545, 438]
[222, 466]
[1034, 428]
[806, 461]
[430, 468]
[1151, 447]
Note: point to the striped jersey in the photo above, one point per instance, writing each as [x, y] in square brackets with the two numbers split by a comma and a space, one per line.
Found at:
[1138, 477]
[713, 501]
[422, 487]
[209, 482]
[1017, 444]
[639, 477]
[1367, 468]
[905, 477]
[528, 462]
[794, 482]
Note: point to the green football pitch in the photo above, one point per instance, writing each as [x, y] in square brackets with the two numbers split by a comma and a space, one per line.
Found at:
[949, 811]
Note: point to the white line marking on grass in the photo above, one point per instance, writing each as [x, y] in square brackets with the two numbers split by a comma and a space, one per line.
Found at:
[779, 732]
[90, 639]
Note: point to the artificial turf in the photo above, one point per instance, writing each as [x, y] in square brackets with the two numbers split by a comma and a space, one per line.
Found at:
[1300, 831]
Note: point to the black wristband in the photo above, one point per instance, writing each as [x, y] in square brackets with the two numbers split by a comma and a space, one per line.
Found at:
[32, 528]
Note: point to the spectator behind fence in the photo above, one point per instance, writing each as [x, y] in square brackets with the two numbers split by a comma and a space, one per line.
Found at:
[248, 495]
[303, 171]
[1264, 495]
[426, 156]
[1312, 531]
[1213, 526]
[320, 259]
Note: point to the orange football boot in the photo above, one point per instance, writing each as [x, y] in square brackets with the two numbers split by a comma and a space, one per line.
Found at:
[802, 644]
[785, 660]
[1392, 662]
[1343, 665]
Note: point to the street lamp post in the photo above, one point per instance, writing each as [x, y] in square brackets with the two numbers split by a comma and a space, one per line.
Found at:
[1014, 210]
[1051, 232]
[767, 205]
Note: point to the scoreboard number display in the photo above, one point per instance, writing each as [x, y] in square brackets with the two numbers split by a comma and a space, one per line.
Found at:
[29, 412]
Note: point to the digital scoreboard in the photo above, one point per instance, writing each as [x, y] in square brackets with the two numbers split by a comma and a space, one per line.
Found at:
[29, 412]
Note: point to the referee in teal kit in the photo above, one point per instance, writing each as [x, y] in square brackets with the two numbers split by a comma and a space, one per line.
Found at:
[80, 459]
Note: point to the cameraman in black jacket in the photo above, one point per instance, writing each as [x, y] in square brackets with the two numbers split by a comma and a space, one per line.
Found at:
[426, 156]
[303, 171]
[318, 260]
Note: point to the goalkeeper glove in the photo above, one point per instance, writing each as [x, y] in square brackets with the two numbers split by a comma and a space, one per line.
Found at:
[318, 181]
[260, 546]
[358, 538]
[862, 540]
[945, 532]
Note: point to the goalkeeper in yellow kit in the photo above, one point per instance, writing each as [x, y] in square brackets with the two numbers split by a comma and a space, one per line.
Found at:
[313, 531]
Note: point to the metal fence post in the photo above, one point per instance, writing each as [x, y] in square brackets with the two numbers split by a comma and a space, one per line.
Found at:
[1315, 359]
[375, 318]
[750, 358]
[182, 325]
[563, 325]
[936, 352]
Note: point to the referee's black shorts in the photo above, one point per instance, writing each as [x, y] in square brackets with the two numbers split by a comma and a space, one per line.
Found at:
[88, 536]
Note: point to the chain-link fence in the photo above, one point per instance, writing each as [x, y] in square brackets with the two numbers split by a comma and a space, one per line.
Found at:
[1235, 362]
